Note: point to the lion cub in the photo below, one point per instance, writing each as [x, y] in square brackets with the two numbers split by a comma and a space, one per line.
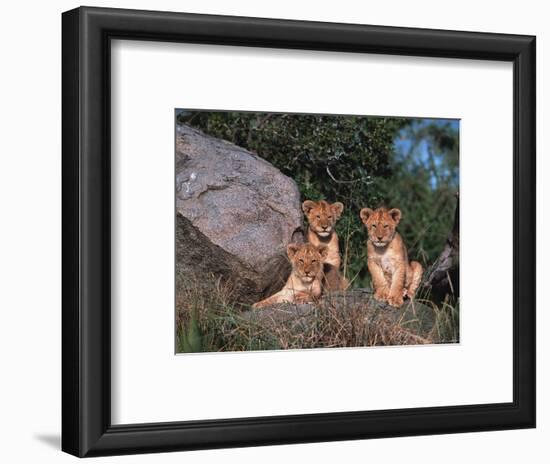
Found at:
[322, 217]
[304, 283]
[393, 277]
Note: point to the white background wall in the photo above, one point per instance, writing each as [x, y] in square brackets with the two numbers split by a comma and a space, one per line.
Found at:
[30, 244]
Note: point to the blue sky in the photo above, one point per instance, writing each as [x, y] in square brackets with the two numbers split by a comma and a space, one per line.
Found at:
[403, 143]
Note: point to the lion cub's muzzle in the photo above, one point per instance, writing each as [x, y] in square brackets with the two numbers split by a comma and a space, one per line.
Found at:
[308, 275]
[380, 243]
[323, 231]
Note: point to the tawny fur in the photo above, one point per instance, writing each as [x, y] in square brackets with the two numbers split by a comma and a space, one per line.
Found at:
[393, 276]
[304, 283]
[322, 217]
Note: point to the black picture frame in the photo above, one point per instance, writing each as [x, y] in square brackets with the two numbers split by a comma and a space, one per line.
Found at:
[86, 380]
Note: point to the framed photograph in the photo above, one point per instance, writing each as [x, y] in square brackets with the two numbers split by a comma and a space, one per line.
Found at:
[284, 231]
[321, 274]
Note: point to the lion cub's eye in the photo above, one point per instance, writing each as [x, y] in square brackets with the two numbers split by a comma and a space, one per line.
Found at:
[386, 226]
[374, 226]
[330, 217]
[318, 217]
[313, 260]
[301, 261]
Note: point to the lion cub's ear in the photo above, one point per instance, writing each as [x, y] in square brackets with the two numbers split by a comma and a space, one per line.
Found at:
[323, 251]
[365, 214]
[337, 209]
[308, 205]
[292, 249]
[395, 214]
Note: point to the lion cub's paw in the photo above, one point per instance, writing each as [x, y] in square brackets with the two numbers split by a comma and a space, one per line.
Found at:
[409, 294]
[381, 293]
[262, 304]
[303, 298]
[396, 300]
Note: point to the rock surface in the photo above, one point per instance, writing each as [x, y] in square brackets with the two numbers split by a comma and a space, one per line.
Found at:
[413, 323]
[235, 215]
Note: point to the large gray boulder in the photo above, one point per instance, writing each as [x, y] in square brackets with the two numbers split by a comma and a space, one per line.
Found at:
[235, 215]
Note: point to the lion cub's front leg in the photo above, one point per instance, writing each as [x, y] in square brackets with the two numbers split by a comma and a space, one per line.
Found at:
[395, 297]
[273, 299]
[381, 288]
[414, 278]
[284, 296]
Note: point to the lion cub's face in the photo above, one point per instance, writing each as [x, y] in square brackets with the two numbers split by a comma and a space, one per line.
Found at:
[322, 216]
[307, 260]
[380, 224]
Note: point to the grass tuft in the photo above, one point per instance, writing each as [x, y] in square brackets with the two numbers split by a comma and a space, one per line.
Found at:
[208, 320]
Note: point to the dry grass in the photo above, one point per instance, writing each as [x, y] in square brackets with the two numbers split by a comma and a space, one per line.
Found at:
[208, 320]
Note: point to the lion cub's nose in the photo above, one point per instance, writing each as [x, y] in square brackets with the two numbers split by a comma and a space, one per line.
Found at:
[380, 237]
